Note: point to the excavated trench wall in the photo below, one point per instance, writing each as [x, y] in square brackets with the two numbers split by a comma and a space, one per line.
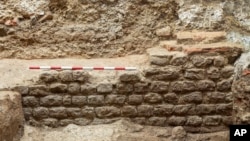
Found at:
[175, 89]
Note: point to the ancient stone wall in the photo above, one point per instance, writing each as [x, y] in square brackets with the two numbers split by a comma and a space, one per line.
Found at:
[177, 88]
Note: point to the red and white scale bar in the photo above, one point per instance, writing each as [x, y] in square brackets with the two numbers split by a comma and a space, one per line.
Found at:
[79, 68]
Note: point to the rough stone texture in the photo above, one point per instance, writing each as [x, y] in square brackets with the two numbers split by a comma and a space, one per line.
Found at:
[206, 85]
[88, 89]
[74, 88]
[124, 88]
[213, 73]
[183, 86]
[127, 77]
[115, 99]
[129, 111]
[171, 98]
[194, 74]
[176, 121]
[30, 101]
[58, 112]
[58, 87]
[51, 100]
[163, 110]
[107, 111]
[135, 99]
[11, 116]
[96, 100]
[159, 86]
[40, 112]
[79, 100]
[65, 76]
[195, 97]
[141, 87]
[153, 98]
[201, 61]
[145, 110]
[104, 88]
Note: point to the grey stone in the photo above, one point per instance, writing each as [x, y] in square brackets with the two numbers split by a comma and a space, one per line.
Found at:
[156, 121]
[160, 61]
[65, 122]
[135, 99]
[179, 60]
[96, 100]
[27, 113]
[224, 85]
[225, 109]
[23, 90]
[67, 100]
[51, 122]
[206, 109]
[194, 74]
[227, 71]
[129, 111]
[38, 90]
[58, 112]
[159, 86]
[115, 99]
[107, 111]
[216, 97]
[104, 88]
[74, 112]
[82, 121]
[212, 120]
[58, 88]
[48, 77]
[153, 98]
[213, 73]
[182, 109]
[145, 110]
[130, 77]
[51, 100]
[88, 89]
[139, 120]
[124, 88]
[141, 87]
[79, 100]
[219, 61]
[88, 112]
[179, 134]
[194, 121]
[74, 88]
[201, 61]
[163, 110]
[206, 85]
[183, 86]
[30, 101]
[40, 112]
[80, 76]
[171, 98]
[66, 76]
[195, 97]
[176, 121]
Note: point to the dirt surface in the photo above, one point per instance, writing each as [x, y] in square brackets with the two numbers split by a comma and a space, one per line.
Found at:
[121, 130]
[11, 116]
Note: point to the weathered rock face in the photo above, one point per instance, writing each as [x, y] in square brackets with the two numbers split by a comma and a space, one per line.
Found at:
[11, 116]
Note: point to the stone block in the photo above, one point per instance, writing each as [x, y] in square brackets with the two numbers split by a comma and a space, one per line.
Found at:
[182, 109]
[88, 112]
[225, 109]
[176, 121]
[201, 61]
[38, 90]
[80, 76]
[115, 99]
[130, 77]
[163, 110]
[167, 74]
[195, 97]
[194, 74]
[141, 87]
[160, 61]
[129, 111]
[213, 73]
[216, 97]
[65, 122]
[220, 61]
[74, 88]
[74, 112]
[82, 121]
[145, 110]
[227, 120]
[206, 109]
[124, 88]
[105, 88]
[58, 88]
[179, 59]
[58, 112]
[171, 98]
[30, 101]
[194, 121]
[156, 121]
[135, 99]
[79, 100]
[51, 100]
[40, 112]
[27, 113]
[164, 32]
[139, 120]
[227, 71]
[51, 122]
[212, 120]
[88, 89]
[96, 100]
[159, 86]
[66, 76]
[107, 111]
[224, 85]
[206, 85]
[48, 77]
[67, 100]
[183, 86]
[153, 98]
